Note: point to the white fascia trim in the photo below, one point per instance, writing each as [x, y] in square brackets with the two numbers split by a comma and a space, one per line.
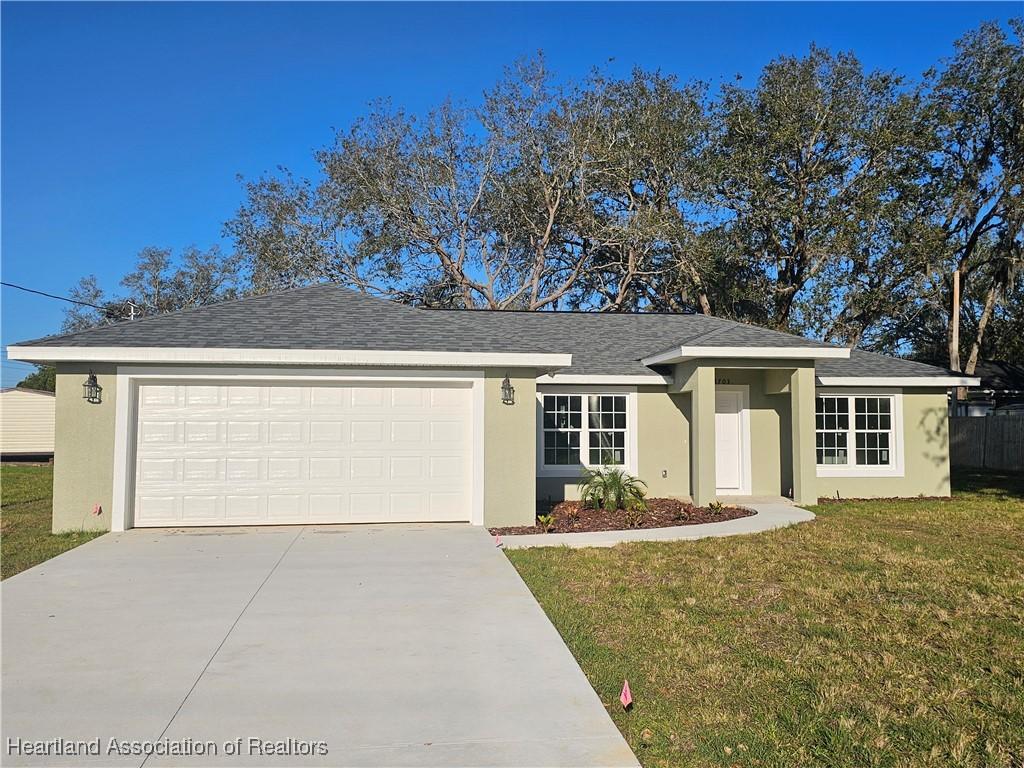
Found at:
[680, 354]
[286, 356]
[605, 379]
[898, 381]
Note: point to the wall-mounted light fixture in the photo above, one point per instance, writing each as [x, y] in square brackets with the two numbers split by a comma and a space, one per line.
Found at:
[508, 392]
[92, 390]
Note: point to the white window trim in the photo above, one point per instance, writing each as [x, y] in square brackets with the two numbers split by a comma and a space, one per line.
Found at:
[896, 449]
[575, 470]
[129, 378]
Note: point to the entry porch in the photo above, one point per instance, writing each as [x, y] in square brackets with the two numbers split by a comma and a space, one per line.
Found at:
[751, 429]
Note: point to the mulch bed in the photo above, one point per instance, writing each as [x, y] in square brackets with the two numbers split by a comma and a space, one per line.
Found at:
[823, 500]
[661, 513]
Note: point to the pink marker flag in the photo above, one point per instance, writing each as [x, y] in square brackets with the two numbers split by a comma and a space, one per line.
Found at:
[497, 540]
[626, 697]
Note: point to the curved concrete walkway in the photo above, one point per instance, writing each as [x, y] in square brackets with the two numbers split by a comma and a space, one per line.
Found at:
[770, 515]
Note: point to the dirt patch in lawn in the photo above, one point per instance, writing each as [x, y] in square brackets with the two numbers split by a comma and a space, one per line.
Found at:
[661, 513]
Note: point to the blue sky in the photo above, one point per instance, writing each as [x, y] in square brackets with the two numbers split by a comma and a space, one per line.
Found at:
[125, 125]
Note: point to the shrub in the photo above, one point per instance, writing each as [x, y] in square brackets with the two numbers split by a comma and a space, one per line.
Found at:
[634, 517]
[611, 489]
[716, 507]
[546, 523]
[572, 516]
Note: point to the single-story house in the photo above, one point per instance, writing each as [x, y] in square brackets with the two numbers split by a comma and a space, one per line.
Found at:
[324, 405]
[26, 423]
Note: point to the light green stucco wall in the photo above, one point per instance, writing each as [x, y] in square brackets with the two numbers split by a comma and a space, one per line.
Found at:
[83, 459]
[663, 442]
[510, 449]
[925, 454]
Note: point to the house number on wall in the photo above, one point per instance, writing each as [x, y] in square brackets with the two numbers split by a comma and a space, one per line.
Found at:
[723, 381]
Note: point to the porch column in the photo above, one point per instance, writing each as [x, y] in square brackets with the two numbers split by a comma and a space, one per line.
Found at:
[805, 480]
[702, 436]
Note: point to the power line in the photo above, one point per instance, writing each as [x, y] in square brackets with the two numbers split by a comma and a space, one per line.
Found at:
[106, 310]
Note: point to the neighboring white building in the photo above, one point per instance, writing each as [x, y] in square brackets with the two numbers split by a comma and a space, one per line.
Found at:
[26, 422]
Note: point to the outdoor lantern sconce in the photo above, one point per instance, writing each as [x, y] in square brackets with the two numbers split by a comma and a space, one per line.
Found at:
[508, 392]
[92, 389]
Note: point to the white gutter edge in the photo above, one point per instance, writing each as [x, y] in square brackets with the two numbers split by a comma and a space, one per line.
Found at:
[899, 381]
[679, 354]
[609, 379]
[42, 354]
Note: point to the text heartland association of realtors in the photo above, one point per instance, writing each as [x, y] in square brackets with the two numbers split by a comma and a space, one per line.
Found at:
[166, 747]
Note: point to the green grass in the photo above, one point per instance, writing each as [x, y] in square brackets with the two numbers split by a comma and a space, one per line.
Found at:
[884, 633]
[26, 495]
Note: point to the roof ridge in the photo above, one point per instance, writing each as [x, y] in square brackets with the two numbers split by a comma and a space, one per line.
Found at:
[542, 312]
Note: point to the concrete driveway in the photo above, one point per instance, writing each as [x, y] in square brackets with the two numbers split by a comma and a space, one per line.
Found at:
[381, 645]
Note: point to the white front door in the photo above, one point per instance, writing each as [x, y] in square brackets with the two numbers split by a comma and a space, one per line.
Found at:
[731, 463]
[258, 454]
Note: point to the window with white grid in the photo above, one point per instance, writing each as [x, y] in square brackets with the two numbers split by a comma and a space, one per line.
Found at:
[607, 422]
[832, 425]
[563, 423]
[584, 430]
[856, 431]
[872, 427]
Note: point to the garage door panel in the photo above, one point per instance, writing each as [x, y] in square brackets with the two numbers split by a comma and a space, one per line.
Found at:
[198, 470]
[242, 469]
[286, 432]
[367, 468]
[366, 432]
[327, 432]
[158, 509]
[159, 432]
[244, 432]
[242, 508]
[199, 396]
[250, 454]
[328, 468]
[201, 508]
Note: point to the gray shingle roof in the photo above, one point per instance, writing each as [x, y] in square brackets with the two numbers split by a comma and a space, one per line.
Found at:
[863, 363]
[328, 316]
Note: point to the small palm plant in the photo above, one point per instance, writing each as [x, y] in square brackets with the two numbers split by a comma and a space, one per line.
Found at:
[611, 489]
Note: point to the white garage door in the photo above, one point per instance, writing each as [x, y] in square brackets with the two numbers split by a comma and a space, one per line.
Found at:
[274, 454]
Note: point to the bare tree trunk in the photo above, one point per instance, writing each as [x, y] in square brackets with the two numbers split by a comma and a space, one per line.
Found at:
[702, 295]
[954, 327]
[986, 314]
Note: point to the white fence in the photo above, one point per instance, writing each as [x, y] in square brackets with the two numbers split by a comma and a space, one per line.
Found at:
[987, 442]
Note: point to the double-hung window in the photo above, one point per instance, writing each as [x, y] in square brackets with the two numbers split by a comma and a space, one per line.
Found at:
[857, 434]
[563, 426]
[584, 430]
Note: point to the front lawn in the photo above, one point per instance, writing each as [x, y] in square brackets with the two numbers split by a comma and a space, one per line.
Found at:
[26, 495]
[883, 633]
